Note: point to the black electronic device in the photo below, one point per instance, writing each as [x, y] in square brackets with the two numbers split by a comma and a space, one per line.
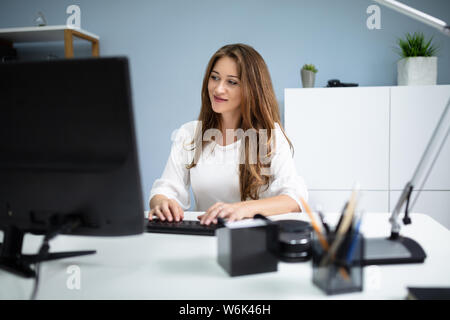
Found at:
[294, 239]
[68, 155]
[337, 83]
[189, 227]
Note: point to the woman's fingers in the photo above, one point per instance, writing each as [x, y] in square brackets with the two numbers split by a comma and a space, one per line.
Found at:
[155, 212]
[220, 211]
[208, 212]
[181, 212]
[168, 210]
[176, 211]
[222, 214]
[159, 214]
[150, 214]
[232, 217]
[214, 207]
[205, 217]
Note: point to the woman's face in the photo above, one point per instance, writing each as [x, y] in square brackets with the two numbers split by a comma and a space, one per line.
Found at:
[224, 87]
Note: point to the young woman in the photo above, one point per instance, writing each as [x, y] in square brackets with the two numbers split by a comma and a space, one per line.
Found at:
[236, 157]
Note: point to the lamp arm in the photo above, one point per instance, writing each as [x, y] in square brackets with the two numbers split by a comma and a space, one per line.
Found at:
[416, 14]
[423, 170]
[440, 133]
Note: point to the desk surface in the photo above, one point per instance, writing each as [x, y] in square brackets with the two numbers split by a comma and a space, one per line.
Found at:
[164, 266]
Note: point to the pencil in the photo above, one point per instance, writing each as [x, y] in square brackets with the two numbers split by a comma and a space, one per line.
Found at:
[315, 226]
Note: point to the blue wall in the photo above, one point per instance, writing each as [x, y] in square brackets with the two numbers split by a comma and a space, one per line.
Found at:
[169, 43]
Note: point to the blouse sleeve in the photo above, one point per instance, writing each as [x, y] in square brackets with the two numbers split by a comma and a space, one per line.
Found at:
[284, 177]
[175, 180]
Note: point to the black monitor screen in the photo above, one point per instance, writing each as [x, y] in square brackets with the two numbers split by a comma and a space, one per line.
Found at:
[68, 146]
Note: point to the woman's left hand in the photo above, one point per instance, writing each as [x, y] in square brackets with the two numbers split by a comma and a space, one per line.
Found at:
[231, 211]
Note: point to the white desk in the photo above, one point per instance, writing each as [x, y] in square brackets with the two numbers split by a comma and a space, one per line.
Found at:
[163, 266]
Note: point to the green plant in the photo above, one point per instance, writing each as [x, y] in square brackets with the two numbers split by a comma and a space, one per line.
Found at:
[310, 67]
[416, 46]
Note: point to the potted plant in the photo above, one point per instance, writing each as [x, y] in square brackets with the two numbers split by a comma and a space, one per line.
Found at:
[308, 73]
[418, 65]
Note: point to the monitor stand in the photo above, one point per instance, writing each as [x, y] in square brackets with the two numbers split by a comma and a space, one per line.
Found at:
[382, 251]
[12, 259]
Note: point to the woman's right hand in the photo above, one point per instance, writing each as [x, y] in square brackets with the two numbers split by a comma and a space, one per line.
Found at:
[166, 209]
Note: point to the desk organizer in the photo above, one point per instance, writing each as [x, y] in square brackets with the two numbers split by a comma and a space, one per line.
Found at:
[248, 248]
[341, 274]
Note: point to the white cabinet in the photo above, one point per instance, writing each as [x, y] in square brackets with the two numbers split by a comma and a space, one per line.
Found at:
[370, 135]
[334, 200]
[340, 136]
[415, 112]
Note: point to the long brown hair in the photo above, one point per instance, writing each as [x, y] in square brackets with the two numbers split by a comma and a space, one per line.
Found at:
[259, 110]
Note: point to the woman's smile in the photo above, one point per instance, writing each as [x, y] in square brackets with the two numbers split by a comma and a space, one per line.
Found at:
[219, 100]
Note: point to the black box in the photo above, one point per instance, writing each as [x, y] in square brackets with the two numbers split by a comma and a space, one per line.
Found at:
[245, 249]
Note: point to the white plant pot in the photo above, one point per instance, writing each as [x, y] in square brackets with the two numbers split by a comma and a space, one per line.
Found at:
[417, 71]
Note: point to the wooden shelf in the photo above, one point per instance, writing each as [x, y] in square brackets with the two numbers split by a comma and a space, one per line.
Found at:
[9, 36]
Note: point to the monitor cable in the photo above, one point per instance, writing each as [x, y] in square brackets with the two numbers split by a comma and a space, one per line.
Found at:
[68, 225]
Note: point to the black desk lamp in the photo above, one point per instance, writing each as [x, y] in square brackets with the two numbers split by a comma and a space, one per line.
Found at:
[397, 249]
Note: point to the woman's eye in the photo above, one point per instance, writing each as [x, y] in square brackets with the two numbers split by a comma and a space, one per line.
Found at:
[232, 82]
[213, 77]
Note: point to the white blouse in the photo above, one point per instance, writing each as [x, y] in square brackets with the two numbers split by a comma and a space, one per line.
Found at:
[215, 178]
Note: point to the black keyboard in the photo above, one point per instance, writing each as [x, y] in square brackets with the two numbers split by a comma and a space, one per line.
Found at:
[181, 227]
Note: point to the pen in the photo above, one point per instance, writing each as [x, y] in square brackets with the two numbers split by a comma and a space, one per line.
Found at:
[354, 241]
[343, 227]
[325, 225]
[341, 216]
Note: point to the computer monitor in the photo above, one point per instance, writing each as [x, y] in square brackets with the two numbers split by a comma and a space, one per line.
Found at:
[68, 154]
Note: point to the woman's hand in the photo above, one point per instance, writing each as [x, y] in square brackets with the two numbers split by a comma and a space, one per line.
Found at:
[166, 209]
[231, 211]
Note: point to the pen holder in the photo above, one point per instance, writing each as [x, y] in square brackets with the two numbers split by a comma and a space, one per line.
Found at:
[342, 273]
